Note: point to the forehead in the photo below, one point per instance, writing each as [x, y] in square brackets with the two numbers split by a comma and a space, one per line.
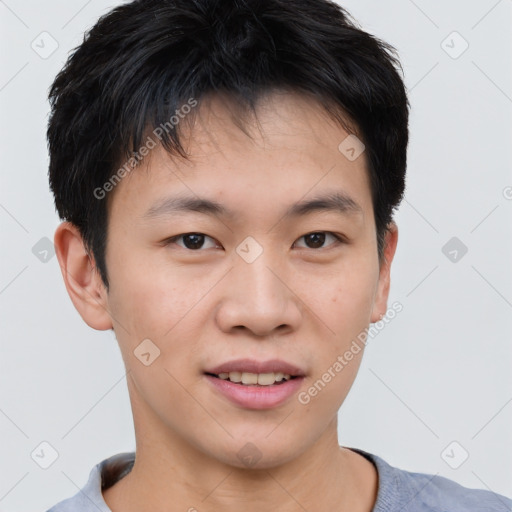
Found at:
[289, 149]
[282, 120]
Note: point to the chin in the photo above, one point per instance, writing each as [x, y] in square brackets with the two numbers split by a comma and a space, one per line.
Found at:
[255, 453]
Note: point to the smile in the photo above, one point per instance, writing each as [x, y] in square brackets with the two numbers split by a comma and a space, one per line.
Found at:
[254, 379]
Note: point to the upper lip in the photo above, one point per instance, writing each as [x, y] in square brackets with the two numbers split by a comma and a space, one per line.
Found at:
[253, 366]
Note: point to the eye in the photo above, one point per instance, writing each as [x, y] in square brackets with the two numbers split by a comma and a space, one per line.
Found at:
[192, 241]
[317, 239]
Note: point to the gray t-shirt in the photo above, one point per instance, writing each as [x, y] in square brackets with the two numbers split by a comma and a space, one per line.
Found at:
[398, 490]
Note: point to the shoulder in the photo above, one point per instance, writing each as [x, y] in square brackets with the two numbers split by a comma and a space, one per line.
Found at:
[437, 493]
[101, 476]
[421, 492]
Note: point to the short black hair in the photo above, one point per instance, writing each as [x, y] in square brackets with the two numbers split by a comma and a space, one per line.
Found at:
[144, 60]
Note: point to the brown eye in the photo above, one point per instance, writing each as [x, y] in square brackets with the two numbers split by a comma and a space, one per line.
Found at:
[192, 241]
[314, 240]
[317, 239]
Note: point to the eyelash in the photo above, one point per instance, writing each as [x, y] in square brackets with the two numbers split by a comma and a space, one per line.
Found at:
[339, 239]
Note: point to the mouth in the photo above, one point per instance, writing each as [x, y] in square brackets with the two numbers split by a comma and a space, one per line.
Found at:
[254, 379]
[250, 372]
[252, 384]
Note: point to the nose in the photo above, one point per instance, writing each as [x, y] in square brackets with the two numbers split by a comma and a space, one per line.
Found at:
[259, 297]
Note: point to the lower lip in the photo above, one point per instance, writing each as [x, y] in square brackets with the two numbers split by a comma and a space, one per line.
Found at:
[256, 397]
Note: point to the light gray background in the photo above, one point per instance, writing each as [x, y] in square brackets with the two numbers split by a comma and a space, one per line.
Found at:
[438, 373]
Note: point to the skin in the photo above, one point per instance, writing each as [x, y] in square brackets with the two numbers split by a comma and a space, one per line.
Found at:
[298, 302]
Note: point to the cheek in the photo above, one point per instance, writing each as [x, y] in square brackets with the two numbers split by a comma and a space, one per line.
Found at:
[145, 306]
[165, 305]
[346, 300]
[150, 299]
[346, 311]
[345, 306]
[350, 308]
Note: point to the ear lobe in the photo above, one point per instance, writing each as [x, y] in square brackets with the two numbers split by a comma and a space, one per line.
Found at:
[381, 297]
[82, 280]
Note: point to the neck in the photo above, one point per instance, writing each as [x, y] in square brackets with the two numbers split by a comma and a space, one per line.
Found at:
[169, 470]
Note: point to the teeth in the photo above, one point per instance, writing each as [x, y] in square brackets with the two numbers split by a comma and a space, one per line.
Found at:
[266, 379]
[234, 376]
[249, 378]
[262, 379]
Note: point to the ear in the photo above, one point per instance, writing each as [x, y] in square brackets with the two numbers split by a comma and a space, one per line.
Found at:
[82, 279]
[380, 304]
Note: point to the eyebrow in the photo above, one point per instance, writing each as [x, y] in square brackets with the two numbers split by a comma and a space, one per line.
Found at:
[337, 202]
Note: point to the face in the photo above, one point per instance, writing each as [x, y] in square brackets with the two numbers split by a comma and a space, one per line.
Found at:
[257, 271]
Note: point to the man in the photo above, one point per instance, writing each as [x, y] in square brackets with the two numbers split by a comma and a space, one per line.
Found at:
[227, 173]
